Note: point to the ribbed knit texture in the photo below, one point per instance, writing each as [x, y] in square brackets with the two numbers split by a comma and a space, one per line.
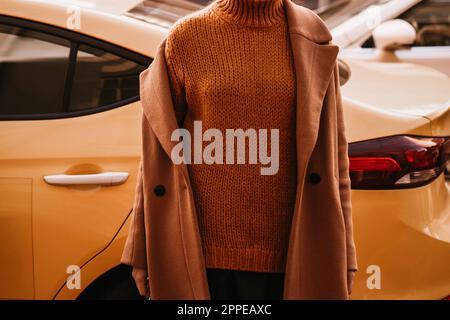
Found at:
[230, 66]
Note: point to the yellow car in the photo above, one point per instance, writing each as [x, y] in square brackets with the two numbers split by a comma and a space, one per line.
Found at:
[70, 146]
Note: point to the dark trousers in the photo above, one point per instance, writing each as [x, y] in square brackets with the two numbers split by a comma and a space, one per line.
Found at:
[245, 285]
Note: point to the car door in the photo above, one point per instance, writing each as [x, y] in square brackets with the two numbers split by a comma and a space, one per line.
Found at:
[70, 146]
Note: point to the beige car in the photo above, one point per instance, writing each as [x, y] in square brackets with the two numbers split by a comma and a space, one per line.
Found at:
[70, 146]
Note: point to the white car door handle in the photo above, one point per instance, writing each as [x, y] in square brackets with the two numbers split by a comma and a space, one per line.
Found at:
[104, 178]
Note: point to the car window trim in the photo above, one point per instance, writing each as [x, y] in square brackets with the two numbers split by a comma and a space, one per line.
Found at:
[70, 75]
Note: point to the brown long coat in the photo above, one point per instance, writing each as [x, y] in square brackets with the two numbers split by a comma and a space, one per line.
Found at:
[164, 235]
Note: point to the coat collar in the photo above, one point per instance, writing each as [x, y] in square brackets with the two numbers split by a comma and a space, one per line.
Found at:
[314, 61]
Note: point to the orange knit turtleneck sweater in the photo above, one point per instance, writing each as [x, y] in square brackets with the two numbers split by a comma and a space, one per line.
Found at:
[230, 66]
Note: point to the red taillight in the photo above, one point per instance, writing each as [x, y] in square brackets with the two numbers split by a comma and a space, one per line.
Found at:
[393, 162]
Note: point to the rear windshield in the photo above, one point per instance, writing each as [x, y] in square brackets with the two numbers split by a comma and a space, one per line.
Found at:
[165, 12]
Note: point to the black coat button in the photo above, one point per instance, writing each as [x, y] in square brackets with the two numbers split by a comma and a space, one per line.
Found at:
[159, 190]
[314, 177]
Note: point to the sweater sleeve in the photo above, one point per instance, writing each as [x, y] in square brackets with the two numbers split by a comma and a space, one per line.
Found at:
[176, 77]
[344, 176]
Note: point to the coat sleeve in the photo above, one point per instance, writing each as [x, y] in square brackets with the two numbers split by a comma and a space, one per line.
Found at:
[344, 176]
[134, 253]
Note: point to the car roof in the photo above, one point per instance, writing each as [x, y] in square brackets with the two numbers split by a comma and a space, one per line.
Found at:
[115, 7]
[163, 13]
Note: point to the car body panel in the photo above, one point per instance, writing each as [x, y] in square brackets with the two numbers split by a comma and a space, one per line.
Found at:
[403, 238]
[434, 57]
[389, 87]
[104, 261]
[406, 234]
[16, 230]
[70, 224]
[111, 7]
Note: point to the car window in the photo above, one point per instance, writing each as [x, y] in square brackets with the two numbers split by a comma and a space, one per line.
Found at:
[101, 78]
[431, 19]
[32, 71]
[48, 72]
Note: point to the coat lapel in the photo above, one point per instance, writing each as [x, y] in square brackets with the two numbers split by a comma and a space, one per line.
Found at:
[314, 59]
[157, 102]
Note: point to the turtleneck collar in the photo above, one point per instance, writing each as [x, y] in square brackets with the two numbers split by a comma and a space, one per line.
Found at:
[253, 13]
